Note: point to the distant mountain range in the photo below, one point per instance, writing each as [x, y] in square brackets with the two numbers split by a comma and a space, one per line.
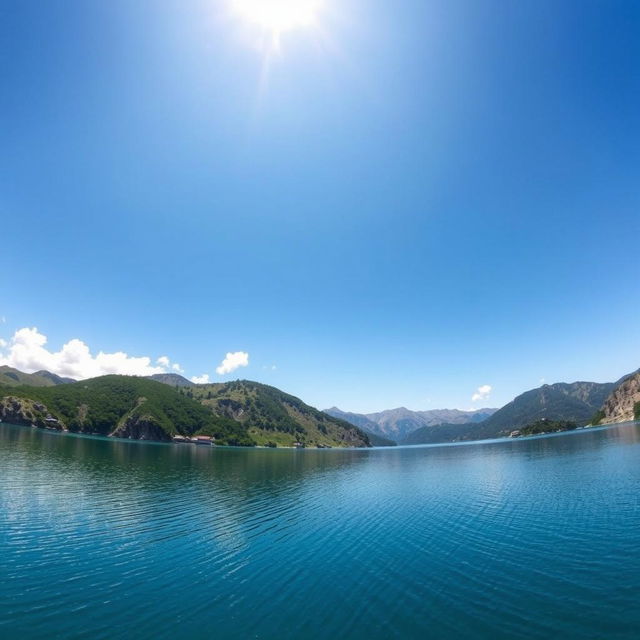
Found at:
[12, 377]
[576, 402]
[397, 424]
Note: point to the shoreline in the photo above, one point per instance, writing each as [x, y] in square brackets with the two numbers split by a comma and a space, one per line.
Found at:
[488, 441]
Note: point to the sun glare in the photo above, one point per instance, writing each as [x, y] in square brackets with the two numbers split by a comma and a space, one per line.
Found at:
[278, 15]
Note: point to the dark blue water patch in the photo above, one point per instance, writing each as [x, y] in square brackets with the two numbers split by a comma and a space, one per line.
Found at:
[531, 538]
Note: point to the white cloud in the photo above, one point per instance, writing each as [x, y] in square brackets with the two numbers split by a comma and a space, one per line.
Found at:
[3, 343]
[482, 393]
[203, 379]
[232, 362]
[27, 352]
[166, 364]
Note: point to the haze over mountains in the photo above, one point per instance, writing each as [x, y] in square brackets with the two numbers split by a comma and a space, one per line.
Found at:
[397, 424]
[577, 402]
[10, 376]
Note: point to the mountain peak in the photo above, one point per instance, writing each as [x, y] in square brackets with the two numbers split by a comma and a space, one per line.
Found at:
[173, 379]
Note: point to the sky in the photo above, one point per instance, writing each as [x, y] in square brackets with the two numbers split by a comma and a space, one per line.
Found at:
[420, 203]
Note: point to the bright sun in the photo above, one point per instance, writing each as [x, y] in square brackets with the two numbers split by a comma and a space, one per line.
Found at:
[278, 16]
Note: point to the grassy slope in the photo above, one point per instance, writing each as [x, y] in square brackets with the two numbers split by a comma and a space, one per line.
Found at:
[102, 404]
[272, 416]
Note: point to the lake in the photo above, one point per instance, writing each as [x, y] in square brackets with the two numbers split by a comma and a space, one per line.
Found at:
[535, 538]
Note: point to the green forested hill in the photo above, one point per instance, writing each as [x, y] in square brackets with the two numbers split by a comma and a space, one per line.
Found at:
[237, 413]
[271, 416]
[122, 406]
[575, 402]
[547, 426]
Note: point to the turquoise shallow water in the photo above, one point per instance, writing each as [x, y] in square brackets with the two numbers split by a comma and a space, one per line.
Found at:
[530, 538]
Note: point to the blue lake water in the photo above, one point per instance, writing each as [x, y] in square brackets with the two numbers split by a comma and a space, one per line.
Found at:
[534, 538]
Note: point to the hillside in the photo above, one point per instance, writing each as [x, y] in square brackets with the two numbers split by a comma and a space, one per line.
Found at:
[439, 433]
[119, 406]
[10, 377]
[397, 424]
[271, 416]
[573, 402]
[623, 404]
[379, 441]
[160, 406]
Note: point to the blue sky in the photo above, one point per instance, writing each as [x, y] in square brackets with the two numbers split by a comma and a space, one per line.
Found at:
[406, 201]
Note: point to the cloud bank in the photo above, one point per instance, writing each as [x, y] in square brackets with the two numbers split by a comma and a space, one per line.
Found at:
[232, 362]
[27, 352]
[482, 393]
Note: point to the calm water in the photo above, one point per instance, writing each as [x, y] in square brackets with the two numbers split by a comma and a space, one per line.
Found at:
[106, 539]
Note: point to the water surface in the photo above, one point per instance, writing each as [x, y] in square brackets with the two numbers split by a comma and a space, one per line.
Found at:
[532, 538]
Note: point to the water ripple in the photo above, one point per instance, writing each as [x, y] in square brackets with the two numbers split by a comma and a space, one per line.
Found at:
[107, 539]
